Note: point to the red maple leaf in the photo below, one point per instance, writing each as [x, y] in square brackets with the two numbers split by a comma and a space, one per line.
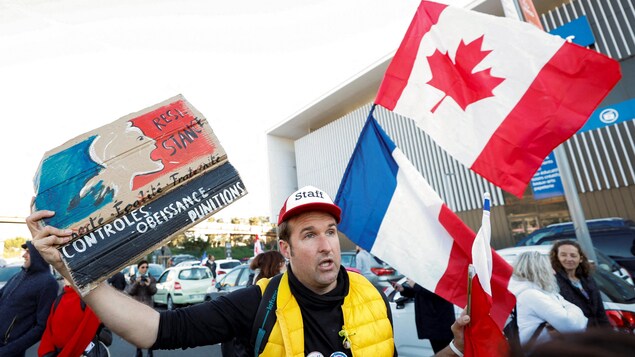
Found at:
[456, 79]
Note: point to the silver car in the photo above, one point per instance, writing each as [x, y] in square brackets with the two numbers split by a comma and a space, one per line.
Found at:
[385, 274]
[235, 279]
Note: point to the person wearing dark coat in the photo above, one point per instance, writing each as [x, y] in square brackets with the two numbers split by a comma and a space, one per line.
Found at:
[433, 315]
[573, 273]
[142, 287]
[118, 281]
[25, 303]
[210, 263]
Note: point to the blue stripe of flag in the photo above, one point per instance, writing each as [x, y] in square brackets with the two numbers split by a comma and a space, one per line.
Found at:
[368, 185]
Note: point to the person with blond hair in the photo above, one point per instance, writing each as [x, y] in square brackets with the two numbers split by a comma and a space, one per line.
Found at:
[541, 310]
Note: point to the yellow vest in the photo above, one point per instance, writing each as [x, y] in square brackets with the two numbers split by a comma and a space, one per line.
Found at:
[365, 320]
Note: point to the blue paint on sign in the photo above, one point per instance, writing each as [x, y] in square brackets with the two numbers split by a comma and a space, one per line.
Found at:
[613, 114]
[547, 183]
[577, 31]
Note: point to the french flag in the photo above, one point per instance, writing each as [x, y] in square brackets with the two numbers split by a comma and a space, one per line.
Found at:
[497, 94]
[484, 337]
[390, 210]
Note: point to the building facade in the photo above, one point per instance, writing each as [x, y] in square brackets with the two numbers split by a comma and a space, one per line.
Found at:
[314, 146]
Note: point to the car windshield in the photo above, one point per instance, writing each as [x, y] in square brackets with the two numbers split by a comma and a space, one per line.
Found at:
[348, 260]
[616, 289]
[7, 272]
[538, 236]
[155, 270]
[229, 265]
[194, 274]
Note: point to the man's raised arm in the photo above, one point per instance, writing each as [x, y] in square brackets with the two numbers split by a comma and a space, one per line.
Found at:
[135, 322]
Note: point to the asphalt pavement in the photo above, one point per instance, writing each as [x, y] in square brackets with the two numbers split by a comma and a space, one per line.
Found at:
[121, 348]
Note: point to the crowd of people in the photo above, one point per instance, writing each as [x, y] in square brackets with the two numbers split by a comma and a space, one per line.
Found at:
[300, 300]
[313, 295]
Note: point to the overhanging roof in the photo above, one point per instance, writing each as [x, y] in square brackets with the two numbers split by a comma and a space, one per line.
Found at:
[350, 95]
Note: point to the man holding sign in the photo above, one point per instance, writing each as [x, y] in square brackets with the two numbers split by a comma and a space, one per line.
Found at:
[314, 300]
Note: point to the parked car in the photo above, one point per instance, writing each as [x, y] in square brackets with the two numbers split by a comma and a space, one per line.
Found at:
[618, 295]
[189, 263]
[154, 270]
[225, 265]
[384, 272]
[614, 237]
[182, 285]
[176, 259]
[235, 279]
[404, 326]
[7, 271]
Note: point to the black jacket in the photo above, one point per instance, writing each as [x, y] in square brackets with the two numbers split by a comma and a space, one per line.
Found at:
[593, 308]
[118, 281]
[25, 302]
[433, 314]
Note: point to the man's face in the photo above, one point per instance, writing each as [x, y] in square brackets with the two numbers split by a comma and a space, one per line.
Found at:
[27, 258]
[313, 250]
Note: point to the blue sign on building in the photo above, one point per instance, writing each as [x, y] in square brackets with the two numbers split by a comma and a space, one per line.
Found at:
[612, 114]
[546, 183]
[577, 31]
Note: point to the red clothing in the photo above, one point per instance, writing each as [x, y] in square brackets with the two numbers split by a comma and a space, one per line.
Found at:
[69, 327]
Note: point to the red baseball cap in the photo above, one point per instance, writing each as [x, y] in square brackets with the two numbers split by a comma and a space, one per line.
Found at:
[308, 198]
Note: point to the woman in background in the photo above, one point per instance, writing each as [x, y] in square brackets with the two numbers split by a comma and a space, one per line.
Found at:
[573, 273]
[540, 309]
[267, 265]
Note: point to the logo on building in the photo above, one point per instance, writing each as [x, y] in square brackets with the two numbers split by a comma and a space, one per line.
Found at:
[609, 115]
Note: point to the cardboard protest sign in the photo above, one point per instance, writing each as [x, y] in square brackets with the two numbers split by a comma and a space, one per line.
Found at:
[127, 187]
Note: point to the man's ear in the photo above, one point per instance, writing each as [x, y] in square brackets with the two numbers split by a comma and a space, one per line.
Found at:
[284, 248]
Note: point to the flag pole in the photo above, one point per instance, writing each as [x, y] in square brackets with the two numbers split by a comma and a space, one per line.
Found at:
[470, 276]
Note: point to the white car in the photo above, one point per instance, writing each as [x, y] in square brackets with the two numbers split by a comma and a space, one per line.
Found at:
[189, 263]
[182, 285]
[618, 294]
[225, 265]
[404, 327]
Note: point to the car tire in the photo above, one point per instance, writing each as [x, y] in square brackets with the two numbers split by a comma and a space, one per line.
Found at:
[170, 304]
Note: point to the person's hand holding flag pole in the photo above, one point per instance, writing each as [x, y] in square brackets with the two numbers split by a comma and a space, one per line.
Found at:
[483, 336]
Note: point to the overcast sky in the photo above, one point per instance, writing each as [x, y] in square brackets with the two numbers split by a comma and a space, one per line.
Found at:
[69, 66]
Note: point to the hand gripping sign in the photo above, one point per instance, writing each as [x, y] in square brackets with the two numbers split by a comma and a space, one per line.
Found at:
[127, 187]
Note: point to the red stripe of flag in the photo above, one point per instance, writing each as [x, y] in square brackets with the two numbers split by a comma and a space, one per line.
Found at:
[554, 99]
[453, 284]
[401, 65]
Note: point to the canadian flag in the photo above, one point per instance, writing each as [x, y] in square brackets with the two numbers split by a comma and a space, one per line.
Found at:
[497, 94]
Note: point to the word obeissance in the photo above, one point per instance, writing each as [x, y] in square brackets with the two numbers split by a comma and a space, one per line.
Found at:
[148, 195]
[197, 204]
